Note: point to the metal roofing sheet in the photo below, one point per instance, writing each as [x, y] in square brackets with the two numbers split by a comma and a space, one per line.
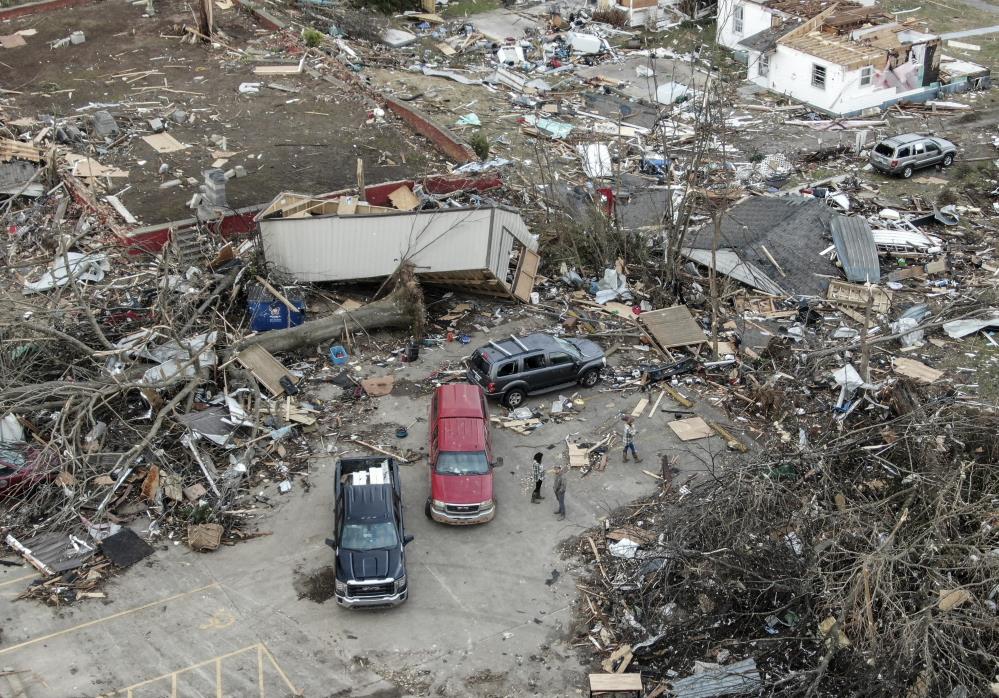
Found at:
[855, 248]
[730, 264]
[730, 680]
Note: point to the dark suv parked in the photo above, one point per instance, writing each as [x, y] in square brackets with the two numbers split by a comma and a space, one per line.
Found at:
[514, 368]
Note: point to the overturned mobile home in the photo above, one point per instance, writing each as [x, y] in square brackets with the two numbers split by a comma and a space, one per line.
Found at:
[487, 250]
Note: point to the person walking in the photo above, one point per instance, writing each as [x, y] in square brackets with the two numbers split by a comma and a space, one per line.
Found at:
[559, 487]
[539, 478]
[629, 438]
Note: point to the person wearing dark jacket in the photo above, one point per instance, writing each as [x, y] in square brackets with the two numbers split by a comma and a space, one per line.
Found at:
[538, 474]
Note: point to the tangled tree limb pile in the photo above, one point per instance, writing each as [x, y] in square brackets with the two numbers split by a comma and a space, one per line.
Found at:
[864, 565]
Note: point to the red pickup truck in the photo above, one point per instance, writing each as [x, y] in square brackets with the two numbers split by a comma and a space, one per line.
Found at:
[461, 457]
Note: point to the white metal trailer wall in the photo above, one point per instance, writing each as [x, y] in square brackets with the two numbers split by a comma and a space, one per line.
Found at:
[331, 248]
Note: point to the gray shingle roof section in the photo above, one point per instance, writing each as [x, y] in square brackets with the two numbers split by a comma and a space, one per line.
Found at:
[766, 40]
[855, 248]
[792, 229]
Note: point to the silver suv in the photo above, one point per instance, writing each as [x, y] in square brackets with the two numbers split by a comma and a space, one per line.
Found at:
[903, 155]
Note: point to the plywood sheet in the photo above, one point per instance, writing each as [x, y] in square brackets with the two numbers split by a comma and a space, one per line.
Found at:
[917, 370]
[691, 429]
[672, 327]
[404, 199]
[164, 143]
[265, 368]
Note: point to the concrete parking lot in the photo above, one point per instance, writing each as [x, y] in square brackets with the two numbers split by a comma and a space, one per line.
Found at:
[489, 611]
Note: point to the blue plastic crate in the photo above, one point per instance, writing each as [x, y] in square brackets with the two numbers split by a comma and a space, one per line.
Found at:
[268, 313]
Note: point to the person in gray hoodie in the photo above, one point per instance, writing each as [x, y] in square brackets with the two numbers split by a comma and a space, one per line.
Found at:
[559, 486]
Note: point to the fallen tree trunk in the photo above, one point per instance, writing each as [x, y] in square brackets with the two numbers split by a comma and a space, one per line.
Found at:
[403, 308]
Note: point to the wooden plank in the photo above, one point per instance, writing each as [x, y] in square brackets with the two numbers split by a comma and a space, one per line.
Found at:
[279, 69]
[730, 440]
[655, 407]
[691, 429]
[615, 682]
[640, 407]
[843, 293]
[677, 397]
[265, 368]
[120, 209]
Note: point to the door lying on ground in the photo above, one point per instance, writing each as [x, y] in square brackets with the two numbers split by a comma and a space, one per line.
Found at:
[523, 279]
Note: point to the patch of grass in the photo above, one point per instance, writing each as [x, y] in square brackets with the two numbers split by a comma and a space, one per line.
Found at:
[480, 144]
[312, 37]
[469, 7]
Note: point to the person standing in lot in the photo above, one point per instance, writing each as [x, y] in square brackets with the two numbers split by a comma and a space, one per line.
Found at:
[629, 438]
[559, 487]
[539, 478]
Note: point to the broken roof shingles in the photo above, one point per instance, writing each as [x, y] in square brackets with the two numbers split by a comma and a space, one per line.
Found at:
[793, 230]
[766, 40]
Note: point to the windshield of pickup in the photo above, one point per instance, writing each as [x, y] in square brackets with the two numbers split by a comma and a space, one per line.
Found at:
[569, 347]
[369, 536]
[462, 463]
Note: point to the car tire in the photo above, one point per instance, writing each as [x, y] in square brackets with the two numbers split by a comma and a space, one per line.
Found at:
[906, 172]
[590, 378]
[514, 398]
[427, 510]
[948, 160]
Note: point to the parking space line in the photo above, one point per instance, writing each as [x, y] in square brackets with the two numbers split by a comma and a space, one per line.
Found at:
[113, 616]
[19, 579]
[261, 651]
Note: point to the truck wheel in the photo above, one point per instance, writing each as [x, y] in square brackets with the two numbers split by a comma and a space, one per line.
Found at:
[514, 398]
[426, 510]
[948, 160]
[590, 378]
[907, 172]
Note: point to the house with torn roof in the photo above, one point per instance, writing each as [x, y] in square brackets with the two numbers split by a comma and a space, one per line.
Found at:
[842, 60]
[488, 250]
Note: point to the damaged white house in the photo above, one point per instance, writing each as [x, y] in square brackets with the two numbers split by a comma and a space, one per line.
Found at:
[487, 250]
[840, 60]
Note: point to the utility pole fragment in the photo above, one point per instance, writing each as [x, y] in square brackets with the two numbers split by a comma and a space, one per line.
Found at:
[360, 180]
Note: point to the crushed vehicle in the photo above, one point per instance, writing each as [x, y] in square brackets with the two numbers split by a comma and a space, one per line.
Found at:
[511, 369]
[904, 154]
[369, 537]
[461, 457]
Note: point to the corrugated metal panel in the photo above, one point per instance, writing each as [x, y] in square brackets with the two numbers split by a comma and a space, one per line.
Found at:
[731, 265]
[334, 248]
[855, 248]
[731, 680]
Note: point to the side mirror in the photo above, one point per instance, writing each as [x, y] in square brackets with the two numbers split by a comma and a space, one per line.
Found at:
[407, 539]
[330, 542]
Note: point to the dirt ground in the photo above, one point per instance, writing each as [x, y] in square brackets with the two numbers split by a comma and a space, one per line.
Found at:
[306, 139]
